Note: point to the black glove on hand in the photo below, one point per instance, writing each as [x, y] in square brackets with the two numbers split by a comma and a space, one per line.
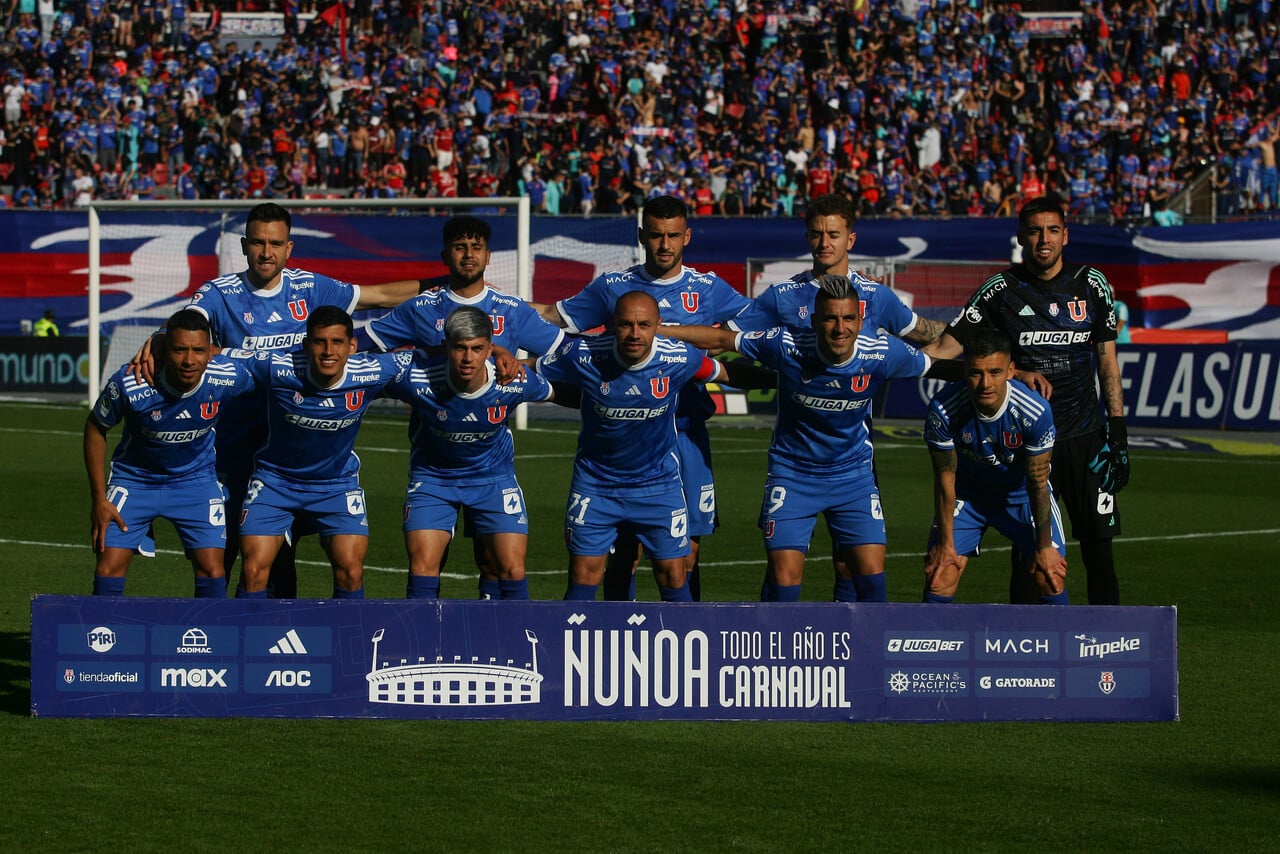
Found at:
[1117, 474]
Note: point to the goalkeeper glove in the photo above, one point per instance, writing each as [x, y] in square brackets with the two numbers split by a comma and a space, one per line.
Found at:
[1117, 473]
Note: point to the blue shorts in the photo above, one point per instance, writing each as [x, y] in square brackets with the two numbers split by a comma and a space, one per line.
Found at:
[660, 522]
[693, 449]
[197, 510]
[492, 508]
[270, 509]
[851, 506]
[1012, 518]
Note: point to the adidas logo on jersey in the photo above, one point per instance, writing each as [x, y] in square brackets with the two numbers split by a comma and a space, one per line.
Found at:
[183, 415]
[633, 390]
[1027, 311]
[664, 304]
[833, 384]
[327, 403]
[471, 416]
[274, 317]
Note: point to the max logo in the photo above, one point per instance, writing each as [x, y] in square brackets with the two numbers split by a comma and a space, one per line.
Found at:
[690, 301]
[660, 385]
[1012, 440]
[497, 414]
[1078, 310]
[209, 411]
[354, 400]
[298, 309]
[860, 383]
[499, 323]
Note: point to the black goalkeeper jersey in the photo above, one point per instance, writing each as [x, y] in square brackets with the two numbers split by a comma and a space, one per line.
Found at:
[1055, 326]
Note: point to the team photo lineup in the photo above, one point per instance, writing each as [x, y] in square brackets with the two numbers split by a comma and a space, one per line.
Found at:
[238, 420]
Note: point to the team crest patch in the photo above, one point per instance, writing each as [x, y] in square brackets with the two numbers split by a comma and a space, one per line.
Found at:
[689, 301]
[298, 309]
[155, 415]
[441, 415]
[1053, 309]
[1012, 440]
[297, 397]
[209, 411]
[1107, 682]
[499, 323]
[660, 386]
[247, 317]
[497, 414]
[604, 388]
[355, 399]
[1078, 309]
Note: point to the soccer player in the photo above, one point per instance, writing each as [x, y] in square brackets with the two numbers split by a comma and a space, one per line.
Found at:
[626, 476]
[163, 466]
[515, 326]
[463, 456]
[684, 295]
[991, 441]
[1061, 320]
[829, 230]
[266, 307]
[820, 459]
[308, 470]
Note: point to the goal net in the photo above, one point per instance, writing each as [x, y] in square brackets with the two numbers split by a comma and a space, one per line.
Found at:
[933, 289]
[146, 260]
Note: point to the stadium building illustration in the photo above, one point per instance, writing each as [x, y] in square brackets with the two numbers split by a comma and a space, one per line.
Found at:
[455, 683]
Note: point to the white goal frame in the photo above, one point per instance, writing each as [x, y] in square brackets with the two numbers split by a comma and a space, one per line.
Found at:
[524, 261]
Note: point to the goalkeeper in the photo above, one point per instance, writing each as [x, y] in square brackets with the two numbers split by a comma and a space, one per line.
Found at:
[1062, 321]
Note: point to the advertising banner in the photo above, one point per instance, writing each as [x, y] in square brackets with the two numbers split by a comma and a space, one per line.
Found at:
[1232, 386]
[53, 364]
[100, 657]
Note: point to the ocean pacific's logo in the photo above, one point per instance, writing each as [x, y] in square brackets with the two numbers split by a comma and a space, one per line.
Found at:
[456, 682]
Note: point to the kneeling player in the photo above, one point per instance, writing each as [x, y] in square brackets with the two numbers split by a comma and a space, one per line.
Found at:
[991, 439]
[164, 465]
[308, 470]
[462, 456]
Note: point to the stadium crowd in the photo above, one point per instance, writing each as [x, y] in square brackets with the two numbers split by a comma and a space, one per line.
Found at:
[909, 107]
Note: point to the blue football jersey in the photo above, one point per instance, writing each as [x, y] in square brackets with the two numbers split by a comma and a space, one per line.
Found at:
[420, 322]
[821, 429]
[461, 436]
[990, 452]
[790, 304]
[247, 318]
[167, 435]
[628, 435]
[312, 430]
[686, 298]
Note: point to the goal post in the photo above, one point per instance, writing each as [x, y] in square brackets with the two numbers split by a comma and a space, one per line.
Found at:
[169, 248]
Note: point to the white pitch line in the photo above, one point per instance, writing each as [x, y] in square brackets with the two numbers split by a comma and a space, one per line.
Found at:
[721, 563]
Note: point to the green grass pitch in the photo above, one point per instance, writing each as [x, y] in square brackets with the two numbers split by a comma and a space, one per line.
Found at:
[1200, 530]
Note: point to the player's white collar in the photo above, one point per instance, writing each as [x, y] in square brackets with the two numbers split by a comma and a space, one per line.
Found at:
[640, 364]
[460, 300]
[342, 378]
[264, 293]
[165, 385]
[673, 280]
[472, 395]
[999, 413]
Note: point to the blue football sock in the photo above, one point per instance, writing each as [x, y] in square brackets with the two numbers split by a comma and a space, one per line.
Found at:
[1055, 599]
[339, 593]
[423, 587]
[768, 591]
[104, 586]
[514, 589]
[580, 592]
[786, 593]
[937, 598]
[694, 584]
[675, 594]
[241, 593]
[845, 590]
[871, 588]
[211, 588]
[489, 588]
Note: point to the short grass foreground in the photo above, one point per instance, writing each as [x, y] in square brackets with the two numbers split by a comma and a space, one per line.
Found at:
[1200, 533]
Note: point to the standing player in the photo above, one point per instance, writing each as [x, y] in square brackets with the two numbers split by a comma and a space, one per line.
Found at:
[462, 456]
[420, 322]
[626, 476]
[1061, 320]
[164, 464]
[308, 470]
[829, 230]
[266, 308]
[991, 441]
[684, 296]
[820, 460]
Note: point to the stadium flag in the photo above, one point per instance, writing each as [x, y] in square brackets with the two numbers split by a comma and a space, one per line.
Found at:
[336, 15]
